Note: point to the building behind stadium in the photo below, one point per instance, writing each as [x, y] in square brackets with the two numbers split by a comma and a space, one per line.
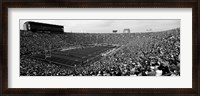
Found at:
[43, 27]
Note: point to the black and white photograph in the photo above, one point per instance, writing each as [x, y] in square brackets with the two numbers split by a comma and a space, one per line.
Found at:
[100, 47]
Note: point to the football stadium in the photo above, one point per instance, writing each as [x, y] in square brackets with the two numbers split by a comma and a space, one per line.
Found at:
[46, 50]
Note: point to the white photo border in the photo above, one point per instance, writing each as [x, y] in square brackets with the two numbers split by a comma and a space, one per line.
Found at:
[16, 81]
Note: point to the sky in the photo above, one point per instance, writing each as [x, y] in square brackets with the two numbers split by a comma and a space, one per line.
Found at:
[107, 26]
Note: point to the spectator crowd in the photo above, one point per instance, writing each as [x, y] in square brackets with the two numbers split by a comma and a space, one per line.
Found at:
[140, 54]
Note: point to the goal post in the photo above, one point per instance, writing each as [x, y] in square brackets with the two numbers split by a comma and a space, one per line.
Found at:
[47, 50]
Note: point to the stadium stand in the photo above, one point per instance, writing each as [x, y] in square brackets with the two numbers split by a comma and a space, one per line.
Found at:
[139, 54]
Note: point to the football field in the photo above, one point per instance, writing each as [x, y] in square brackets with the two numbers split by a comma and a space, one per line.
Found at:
[77, 56]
